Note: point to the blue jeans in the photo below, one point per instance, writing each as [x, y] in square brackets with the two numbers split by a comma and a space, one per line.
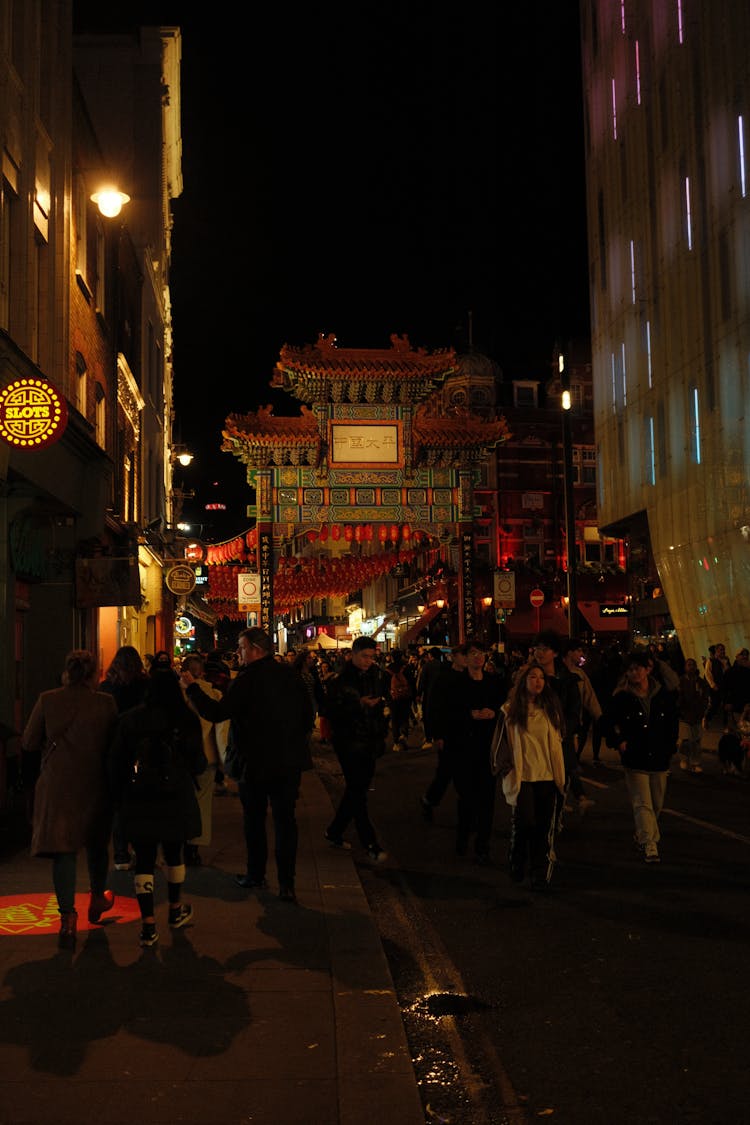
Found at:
[282, 797]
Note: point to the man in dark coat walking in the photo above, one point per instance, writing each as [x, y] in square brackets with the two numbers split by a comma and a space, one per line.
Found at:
[357, 698]
[271, 717]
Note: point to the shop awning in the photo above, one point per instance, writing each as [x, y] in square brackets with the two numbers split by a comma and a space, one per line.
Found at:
[202, 610]
[411, 634]
[603, 622]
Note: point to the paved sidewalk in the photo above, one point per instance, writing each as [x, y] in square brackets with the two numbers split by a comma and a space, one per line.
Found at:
[261, 1013]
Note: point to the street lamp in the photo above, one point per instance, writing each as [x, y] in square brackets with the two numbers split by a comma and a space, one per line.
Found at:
[110, 201]
[182, 455]
[570, 523]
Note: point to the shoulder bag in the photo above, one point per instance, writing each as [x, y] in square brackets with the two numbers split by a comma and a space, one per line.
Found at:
[501, 751]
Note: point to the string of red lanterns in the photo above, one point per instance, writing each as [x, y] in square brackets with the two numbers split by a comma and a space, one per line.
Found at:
[299, 579]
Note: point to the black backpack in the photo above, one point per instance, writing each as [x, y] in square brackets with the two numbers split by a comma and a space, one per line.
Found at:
[156, 766]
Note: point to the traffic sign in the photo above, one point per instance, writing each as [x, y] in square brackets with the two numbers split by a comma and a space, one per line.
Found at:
[536, 597]
[505, 590]
[248, 592]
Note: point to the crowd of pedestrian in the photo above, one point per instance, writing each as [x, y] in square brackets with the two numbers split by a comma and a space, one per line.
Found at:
[133, 761]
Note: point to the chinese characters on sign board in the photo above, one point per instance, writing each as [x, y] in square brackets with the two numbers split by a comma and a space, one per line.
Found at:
[265, 558]
[365, 443]
[467, 571]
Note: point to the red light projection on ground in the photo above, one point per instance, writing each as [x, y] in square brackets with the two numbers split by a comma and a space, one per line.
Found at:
[37, 915]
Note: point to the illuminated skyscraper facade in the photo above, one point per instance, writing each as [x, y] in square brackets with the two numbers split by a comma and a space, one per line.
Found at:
[667, 120]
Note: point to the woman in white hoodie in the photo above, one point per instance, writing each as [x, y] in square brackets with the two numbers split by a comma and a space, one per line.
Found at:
[534, 776]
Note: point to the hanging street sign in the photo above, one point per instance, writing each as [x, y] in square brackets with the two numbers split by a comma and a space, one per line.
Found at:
[180, 579]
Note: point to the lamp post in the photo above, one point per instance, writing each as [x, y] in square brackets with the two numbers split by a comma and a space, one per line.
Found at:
[570, 522]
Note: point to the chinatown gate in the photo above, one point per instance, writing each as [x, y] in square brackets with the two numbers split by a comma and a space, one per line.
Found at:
[376, 474]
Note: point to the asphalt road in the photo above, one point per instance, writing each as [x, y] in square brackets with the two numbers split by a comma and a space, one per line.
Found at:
[619, 998]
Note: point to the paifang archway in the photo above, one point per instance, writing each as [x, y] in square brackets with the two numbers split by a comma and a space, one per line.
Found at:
[372, 449]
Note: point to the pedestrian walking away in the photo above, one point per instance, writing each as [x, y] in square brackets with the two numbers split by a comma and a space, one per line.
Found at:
[206, 781]
[641, 723]
[533, 774]
[126, 681]
[448, 725]
[70, 729]
[693, 702]
[271, 716]
[357, 700]
[154, 762]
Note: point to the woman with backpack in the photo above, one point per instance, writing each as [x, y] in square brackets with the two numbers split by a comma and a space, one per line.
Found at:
[155, 758]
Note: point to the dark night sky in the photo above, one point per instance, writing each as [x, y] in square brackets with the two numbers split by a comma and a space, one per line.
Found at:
[365, 170]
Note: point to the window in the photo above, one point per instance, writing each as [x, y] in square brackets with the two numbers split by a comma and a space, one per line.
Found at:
[524, 394]
[101, 417]
[81, 210]
[81, 384]
[8, 210]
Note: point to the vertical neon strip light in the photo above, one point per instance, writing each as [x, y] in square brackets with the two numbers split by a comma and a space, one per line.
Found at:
[614, 386]
[651, 466]
[614, 110]
[624, 376]
[648, 353]
[741, 140]
[688, 214]
[632, 271]
[679, 21]
[622, 16]
[696, 428]
[637, 72]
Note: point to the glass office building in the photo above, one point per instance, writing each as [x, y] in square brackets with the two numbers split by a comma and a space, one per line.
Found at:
[667, 129]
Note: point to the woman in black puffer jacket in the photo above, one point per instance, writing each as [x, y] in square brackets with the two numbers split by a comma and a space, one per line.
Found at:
[155, 757]
[641, 723]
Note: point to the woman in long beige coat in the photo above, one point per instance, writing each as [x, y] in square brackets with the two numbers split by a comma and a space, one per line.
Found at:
[72, 726]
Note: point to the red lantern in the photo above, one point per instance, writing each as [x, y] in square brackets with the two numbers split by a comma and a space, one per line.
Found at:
[406, 533]
[312, 536]
[394, 533]
[358, 533]
[348, 533]
[335, 531]
[382, 533]
[368, 532]
[324, 533]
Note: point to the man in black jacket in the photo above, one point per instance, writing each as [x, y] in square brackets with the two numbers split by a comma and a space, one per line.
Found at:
[356, 703]
[271, 717]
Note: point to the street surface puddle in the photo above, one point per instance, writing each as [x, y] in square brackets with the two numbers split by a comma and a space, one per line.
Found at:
[440, 1004]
